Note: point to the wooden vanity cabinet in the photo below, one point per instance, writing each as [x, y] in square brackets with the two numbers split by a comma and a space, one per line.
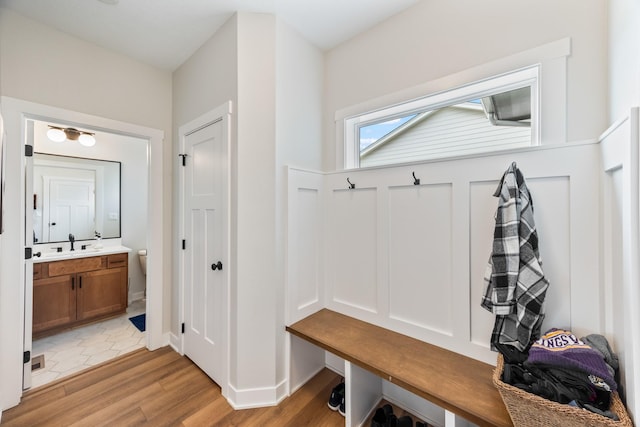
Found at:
[54, 302]
[101, 292]
[72, 292]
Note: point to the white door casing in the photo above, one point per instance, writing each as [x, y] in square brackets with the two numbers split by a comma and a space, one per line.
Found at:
[28, 263]
[204, 226]
[18, 115]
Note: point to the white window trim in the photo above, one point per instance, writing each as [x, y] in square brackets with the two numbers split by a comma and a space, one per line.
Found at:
[550, 107]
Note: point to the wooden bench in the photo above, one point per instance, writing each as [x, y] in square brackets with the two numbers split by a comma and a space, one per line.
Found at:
[457, 383]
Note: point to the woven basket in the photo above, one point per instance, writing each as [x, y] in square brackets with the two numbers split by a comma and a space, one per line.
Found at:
[529, 410]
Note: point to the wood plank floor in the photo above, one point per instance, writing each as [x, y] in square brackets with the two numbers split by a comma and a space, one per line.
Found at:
[162, 388]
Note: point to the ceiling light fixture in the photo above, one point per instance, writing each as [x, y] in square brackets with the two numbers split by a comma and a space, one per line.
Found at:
[58, 134]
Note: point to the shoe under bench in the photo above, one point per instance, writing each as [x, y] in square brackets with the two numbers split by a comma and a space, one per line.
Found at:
[462, 386]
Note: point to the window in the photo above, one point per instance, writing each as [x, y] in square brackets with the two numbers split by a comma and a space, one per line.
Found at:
[490, 115]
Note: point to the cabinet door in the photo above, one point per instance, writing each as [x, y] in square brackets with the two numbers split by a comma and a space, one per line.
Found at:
[101, 292]
[54, 302]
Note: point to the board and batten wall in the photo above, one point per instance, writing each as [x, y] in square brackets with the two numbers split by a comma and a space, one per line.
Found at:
[411, 258]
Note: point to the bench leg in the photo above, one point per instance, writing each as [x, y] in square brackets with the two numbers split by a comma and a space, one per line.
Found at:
[453, 420]
[363, 391]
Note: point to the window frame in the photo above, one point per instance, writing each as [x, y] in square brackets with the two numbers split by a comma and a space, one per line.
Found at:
[523, 77]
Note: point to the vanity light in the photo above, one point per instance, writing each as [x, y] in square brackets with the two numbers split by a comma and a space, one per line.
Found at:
[58, 134]
[87, 139]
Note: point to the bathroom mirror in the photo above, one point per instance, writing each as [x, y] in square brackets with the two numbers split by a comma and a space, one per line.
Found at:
[76, 196]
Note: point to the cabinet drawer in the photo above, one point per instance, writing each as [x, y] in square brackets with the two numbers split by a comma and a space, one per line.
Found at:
[117, 260]
[70, 266]
[37, 271]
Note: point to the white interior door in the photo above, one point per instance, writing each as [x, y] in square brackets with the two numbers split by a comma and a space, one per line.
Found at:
[70, 205]
[205, 271]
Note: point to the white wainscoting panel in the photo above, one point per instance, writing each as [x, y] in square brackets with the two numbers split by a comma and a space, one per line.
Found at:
[305, 269]
[420, 259]
[307, 244]
[621, 250]
[552, 212]
[482, 222]
[552, 217]
[353, 242]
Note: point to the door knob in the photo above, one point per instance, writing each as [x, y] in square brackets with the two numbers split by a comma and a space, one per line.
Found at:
[217, 266]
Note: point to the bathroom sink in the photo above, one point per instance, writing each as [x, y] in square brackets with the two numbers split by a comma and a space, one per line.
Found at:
[80, 253]
[67, 254]
[55, 254]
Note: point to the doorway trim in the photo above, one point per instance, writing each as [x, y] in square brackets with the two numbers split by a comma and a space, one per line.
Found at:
[221, 113]
[16, 114]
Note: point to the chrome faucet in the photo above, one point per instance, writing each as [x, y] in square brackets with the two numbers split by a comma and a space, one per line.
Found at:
[72, 239]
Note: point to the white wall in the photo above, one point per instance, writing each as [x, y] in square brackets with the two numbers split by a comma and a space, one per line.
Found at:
[432, 40]
[624, 59]
[253, 295]
[45, 66]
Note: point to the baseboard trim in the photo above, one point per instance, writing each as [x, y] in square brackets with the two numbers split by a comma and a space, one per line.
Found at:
[296, 387]
[174, 342]
[166, 339]
[136, 296]
[256, 397]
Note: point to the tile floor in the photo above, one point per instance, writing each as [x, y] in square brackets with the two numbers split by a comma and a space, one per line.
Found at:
[82, 348]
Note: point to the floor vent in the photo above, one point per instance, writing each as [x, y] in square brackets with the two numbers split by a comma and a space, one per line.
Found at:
[37, 362]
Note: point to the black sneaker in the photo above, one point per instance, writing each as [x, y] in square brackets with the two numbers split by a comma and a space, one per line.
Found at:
[379, 418]
[341, 408]
[336, 400]
[405, 421]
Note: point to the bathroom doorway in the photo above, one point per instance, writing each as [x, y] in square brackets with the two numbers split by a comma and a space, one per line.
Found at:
[78, 190]
[19, 117]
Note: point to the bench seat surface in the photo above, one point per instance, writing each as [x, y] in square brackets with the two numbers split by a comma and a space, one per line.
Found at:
[450, 380]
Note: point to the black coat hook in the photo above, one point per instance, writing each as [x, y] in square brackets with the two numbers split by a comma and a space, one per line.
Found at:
[416, 181]
[351, 186]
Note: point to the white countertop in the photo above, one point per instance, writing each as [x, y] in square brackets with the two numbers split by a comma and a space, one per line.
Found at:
[80, 253]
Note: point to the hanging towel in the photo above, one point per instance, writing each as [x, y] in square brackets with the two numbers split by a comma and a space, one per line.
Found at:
[515, 286]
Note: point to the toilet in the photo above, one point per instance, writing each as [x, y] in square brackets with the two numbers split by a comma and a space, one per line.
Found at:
[142, 257]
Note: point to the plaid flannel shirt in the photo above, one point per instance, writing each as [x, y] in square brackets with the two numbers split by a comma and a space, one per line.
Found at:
[515, 286]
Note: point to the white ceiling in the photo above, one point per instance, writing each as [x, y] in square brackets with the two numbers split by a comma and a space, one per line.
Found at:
[164, 33]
